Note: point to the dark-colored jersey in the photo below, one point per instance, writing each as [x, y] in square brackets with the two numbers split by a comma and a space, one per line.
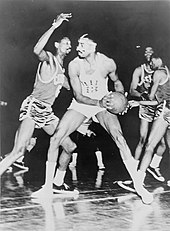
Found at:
[145, 82]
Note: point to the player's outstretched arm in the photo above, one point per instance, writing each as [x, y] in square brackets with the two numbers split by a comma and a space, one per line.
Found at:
[38, 48]
[134, 103]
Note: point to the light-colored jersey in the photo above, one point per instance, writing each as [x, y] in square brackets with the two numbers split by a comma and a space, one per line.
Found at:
[163, 90]
[47, 91]
[146, 80]
[94, 85]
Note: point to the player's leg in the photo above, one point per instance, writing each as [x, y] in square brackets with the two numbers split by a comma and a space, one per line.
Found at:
[73, 162]
[99, 157]
[111, 124]
[23, 135]
[19, 163]
[58, 183]
[157, 132]
[154, 168]
[167, 136]
[142, 138]
[168, 143]
[68, 124]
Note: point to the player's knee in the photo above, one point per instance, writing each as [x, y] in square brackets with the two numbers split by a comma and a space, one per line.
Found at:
[69, 147]
[55, 139]
[142, 140]
[120, 139]
[149, 148]
[163, 144]
[19, 150]
[58, 136]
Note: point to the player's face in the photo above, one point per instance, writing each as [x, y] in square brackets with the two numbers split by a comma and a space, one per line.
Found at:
[148, 53]
[84, 49]
[155, 63]
[65, 46]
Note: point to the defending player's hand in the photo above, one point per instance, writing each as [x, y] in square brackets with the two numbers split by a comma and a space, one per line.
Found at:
[133, 103]
[60, 18]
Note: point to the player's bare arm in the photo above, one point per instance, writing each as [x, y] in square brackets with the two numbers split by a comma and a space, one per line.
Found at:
[134, 103]
[39, 47]
[157, 79]
[135, 79]
[66, 83]
[118, 86]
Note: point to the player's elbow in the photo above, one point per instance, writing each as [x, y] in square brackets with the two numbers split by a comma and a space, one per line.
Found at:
[132, 92]
[36, 50]
[78, 97]
[151, 97]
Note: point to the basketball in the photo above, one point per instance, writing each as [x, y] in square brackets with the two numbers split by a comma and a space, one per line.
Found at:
[118, 102]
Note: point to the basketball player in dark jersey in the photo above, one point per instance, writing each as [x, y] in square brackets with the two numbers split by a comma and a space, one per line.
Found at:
[141, 84]
[160, 94]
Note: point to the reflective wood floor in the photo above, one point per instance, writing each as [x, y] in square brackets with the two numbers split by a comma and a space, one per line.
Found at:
[101, 204]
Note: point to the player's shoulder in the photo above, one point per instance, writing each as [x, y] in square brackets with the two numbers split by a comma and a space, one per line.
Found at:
[75, 61]
[103, 57]
[74, 64]
[160, 74]
[138, 70]
[106, 61]
[49, 55]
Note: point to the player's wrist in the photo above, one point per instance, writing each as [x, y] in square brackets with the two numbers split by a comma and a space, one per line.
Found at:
[99, 103]
[53, 26]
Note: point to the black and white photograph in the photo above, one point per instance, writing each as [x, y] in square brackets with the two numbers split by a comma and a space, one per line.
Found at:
[84, 115]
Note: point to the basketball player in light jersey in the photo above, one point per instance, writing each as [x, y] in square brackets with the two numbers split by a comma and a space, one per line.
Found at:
[36, 111]
[89, 73]
[160, 93]
[142, 81]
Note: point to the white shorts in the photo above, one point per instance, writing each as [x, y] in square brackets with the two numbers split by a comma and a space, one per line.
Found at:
[87, 110]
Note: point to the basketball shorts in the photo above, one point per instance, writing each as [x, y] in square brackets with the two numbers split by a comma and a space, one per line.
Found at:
[40, 112]
[166, 114]
[87, 110]
[150, 113]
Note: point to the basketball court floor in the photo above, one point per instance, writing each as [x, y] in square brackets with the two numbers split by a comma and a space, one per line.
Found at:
[100, 205]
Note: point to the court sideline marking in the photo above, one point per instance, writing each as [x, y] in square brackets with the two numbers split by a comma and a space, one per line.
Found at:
[118, 198]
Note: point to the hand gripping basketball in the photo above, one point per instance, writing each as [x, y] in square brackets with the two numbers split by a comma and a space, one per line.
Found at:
[117, 102]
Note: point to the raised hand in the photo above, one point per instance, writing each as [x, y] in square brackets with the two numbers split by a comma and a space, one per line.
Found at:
[60, 18]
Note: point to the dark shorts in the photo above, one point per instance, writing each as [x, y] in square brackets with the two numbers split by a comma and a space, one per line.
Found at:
[150, 113]
[166, 115]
